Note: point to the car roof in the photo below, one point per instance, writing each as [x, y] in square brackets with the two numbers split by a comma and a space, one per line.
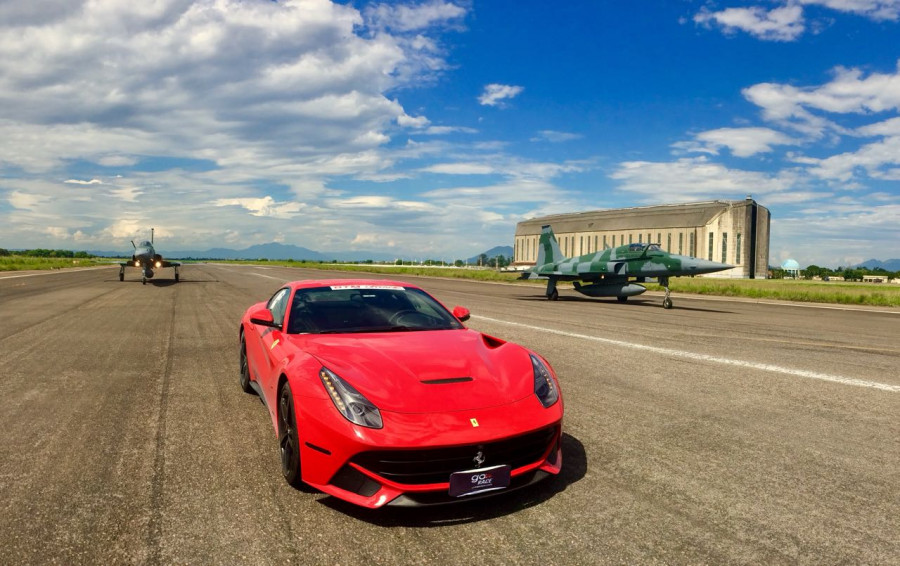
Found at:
[310, 283]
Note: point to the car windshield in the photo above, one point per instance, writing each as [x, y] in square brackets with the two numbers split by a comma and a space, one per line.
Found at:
[340, 309]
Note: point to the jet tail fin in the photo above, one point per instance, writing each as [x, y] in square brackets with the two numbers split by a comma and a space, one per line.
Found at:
[548, 247]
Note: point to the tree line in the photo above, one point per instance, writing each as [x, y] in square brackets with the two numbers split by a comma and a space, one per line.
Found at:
[40, 252]
[848, 273]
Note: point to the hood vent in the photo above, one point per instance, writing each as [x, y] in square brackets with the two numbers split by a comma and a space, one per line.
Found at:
[492, 342]
[446, 380]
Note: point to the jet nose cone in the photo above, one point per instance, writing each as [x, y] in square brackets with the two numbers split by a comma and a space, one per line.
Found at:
[705, 266]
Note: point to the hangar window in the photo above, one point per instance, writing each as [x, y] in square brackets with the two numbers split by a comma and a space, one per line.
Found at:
[669, 243]
[604, 241]
[595, 242]
[711, 235]
[693, 246]
[649, 239]
[724, 247]
[614, 240]
[658, 238]
[737, 249]
[680, 244]
[630, 238]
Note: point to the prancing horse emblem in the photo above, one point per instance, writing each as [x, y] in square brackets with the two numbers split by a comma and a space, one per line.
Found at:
[479, 458]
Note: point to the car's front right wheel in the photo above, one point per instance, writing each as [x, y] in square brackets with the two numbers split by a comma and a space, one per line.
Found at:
[288, 438]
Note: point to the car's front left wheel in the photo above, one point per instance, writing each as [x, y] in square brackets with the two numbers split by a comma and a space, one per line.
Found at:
[288, 438]
[245, 367]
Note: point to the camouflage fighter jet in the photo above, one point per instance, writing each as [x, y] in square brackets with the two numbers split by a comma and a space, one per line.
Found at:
[613, 272]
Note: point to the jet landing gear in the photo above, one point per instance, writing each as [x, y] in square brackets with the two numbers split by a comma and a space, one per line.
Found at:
[667, 301]
[552, 293]
[122, 273]
[176, 275]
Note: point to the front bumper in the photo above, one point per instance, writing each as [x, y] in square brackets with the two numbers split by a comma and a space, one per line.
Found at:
[409, 461]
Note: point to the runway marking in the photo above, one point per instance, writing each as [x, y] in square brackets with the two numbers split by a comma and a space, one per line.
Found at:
[53, 272]
[707, 358]
[268, 276]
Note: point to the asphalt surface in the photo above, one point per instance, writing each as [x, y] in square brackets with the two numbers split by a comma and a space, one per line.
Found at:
[718, 432]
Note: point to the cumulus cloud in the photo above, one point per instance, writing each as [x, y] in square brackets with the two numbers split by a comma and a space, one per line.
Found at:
[697, 178]
[874, 9]
[787, 22]
[413, 17]
[742, 142]
[496, 94]
[778, 24]
[265, 206]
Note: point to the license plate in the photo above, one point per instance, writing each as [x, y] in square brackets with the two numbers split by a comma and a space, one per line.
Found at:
[471, 482]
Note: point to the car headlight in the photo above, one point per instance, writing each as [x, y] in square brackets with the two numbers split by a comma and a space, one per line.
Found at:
[350, 402]
[544, 386]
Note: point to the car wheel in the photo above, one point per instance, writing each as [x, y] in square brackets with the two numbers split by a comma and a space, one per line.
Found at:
[245, 367]
[288, 439]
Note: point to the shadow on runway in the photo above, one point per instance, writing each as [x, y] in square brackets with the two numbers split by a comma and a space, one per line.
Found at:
[573, 469]
[646, 302]
[165, 282]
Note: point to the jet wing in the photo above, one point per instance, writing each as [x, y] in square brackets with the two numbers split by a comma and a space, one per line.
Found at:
[166, 263]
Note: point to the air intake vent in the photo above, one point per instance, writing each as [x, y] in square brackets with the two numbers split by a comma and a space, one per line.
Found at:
[446, 380]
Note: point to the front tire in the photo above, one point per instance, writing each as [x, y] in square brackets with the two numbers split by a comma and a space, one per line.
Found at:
[554, 295]
[288, 438]
[667, 303]
[245, 368]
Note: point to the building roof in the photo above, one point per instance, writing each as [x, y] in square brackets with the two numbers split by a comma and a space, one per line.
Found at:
[686, 215]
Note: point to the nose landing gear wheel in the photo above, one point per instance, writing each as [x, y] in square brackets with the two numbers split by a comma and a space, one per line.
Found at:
[554, 296]
[667, 303]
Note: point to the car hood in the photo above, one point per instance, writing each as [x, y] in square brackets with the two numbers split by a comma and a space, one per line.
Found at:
[427, 371]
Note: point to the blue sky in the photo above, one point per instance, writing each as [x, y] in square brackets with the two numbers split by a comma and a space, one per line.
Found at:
[431, 128]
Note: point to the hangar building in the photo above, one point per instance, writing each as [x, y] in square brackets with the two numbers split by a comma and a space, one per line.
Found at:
[734, 232]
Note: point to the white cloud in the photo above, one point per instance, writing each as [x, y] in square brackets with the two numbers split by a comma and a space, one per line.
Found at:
[79, 182]
[265, 206]
[692, 179]
[554, 136]
[849, 92]
[779, 24]
[874, 9]
[496, 94]
[742, 142]
[26, 201]
[413, 17]
[787, 21]
[461, 169]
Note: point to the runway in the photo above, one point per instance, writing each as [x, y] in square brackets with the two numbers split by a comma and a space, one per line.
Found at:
[721, 432]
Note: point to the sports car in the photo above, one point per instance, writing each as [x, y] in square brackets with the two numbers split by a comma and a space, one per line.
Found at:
[379, 395]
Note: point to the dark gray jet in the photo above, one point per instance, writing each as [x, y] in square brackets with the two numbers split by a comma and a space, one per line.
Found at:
[146, 258]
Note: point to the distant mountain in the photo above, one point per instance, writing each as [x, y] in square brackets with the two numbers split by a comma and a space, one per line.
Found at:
[505, 251]
[889, 265]
[275, 250]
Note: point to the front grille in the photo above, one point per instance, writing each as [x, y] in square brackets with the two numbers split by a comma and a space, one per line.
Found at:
[434, 465]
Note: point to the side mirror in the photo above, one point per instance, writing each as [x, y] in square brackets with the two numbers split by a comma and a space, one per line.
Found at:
[263, 317]
[462, 313]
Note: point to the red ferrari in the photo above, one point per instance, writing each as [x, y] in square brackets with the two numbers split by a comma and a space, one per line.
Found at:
[381, 396]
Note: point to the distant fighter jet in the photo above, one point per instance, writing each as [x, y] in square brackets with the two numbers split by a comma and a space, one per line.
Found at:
[146, 258]
[613, 272]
